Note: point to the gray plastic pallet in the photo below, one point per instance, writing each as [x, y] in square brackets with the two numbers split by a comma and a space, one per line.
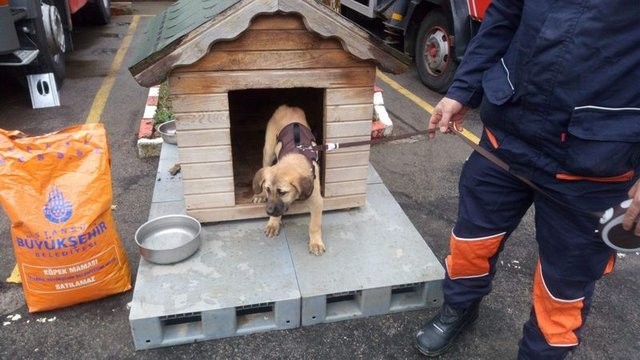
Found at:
[238, 282]
[376, 263]
[241, 282]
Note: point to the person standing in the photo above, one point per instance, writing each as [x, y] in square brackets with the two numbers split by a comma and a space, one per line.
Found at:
[558, 85]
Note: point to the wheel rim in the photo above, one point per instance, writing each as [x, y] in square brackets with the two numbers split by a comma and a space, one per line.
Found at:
[53, 28]
[436, 52]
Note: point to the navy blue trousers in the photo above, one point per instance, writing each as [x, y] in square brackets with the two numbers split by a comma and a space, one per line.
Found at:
[571, 255]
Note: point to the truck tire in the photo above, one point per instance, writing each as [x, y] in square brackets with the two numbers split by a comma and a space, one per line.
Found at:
[49, 36]
[93, 13]
[100, 11]
[434, 55]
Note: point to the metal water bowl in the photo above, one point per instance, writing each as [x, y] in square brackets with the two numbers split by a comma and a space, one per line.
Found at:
[168, 131]
[169, 239]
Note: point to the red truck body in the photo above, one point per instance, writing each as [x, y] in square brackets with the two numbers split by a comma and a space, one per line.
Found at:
[477, 8]
[75, 5]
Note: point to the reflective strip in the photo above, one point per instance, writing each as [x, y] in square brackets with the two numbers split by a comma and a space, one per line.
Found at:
[396, 17]
[606, 108]
[507, 70]
[557, 318]
[469, 257]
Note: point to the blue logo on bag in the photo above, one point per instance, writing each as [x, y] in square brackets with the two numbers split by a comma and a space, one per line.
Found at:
[57, 209]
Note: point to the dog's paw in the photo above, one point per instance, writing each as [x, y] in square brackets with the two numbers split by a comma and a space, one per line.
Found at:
[257, 199]
[316, 248]
[272, 229]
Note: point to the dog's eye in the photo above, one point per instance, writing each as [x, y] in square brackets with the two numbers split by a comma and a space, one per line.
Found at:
[268, 190]
[281, 193]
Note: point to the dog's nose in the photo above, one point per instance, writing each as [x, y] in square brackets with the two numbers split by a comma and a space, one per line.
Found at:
[272, 210]
[276, 208]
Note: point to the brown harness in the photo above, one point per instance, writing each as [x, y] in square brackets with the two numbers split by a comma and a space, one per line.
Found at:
[297, 138]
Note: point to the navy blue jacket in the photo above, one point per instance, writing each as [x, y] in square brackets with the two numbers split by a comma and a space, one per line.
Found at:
[558, 82]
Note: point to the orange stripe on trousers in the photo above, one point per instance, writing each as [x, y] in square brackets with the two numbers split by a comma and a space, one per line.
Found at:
[470, 257]
[558, 319]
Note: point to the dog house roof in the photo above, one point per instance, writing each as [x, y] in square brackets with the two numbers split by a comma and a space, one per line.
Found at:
[183, 33]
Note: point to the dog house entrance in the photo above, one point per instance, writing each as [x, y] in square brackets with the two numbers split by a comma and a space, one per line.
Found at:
[249, 112]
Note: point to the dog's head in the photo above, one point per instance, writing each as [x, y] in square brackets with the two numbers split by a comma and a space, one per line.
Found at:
[282, 186]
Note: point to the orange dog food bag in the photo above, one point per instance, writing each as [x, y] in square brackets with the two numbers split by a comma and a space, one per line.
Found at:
[56, 191]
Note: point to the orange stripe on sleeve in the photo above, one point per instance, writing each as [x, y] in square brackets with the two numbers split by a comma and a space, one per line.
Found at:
[558, 319]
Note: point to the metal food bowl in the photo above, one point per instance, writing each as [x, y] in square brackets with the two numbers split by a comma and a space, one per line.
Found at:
[169, 239]
[168, 131]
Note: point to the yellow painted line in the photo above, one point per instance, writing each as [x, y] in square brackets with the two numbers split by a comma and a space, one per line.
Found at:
[408, 94]
[471, 136]
[416, 99]
[100, 101]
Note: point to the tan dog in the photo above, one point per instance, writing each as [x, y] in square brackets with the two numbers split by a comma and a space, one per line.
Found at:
[295, 175]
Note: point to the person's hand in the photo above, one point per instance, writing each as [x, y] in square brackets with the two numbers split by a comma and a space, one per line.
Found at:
[448, 112]
[629, 222]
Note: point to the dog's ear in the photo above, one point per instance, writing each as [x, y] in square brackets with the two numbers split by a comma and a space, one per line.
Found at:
[304, 186]
[258, 180]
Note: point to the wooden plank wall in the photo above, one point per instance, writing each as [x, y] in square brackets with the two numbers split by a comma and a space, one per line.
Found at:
[275, 52]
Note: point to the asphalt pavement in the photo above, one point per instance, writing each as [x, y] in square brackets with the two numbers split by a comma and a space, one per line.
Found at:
[422, 176]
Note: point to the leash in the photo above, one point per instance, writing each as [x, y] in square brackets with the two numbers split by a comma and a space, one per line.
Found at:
[454, 130]
[502, 164]
[610, 221]
[336, 146]
[609, 228]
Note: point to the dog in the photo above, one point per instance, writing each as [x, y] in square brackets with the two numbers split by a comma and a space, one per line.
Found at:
[295, 175]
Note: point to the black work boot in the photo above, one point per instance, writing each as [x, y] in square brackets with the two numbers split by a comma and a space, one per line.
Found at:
[437, 335]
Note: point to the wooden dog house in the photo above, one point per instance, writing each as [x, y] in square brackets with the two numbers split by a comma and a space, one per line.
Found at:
[230, 64]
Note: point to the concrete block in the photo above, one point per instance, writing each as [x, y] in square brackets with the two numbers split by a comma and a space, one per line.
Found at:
[149, 147]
